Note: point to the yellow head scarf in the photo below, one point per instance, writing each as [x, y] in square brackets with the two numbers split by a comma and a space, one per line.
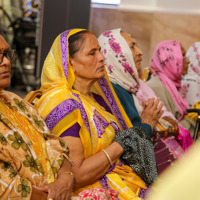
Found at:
[58, 78]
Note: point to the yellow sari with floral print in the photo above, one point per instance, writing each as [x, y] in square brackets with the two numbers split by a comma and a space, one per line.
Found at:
[29, 154]
[62, 107]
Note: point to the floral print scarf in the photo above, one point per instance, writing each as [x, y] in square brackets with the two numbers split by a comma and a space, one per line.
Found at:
[121, 68]
[167, 63]
[191, 81]
[119, 62]
[29, 154]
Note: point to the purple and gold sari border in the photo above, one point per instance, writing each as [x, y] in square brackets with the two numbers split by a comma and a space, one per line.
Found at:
[59, 112]
[104, 182]
[111, 100]
[64, 109]
[83, 113]
[63, 43]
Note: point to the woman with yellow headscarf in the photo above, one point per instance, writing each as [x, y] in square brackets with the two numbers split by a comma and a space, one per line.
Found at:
[79, 105]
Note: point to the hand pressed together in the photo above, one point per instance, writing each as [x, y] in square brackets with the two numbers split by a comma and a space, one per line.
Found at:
[152, 111]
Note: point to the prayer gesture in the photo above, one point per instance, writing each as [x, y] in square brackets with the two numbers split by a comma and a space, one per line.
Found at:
[152, 111]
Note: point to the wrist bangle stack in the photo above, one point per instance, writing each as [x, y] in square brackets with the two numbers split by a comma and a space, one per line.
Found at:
[67, 172]
[109, 159]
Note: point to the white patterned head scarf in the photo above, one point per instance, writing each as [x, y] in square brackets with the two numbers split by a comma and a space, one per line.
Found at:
[121, 68]
[119, 62]
[191, 81]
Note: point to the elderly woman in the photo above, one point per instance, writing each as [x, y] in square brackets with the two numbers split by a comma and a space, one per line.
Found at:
[123, 63]
[169, 64]
[34, 164]
[79, 105]
[191, 81]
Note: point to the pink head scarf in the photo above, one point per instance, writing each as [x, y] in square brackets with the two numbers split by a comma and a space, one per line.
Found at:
[167, 63]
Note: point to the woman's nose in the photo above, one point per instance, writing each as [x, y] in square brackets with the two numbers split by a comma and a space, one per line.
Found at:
[101, 57]
[5, 61]
[139, 51]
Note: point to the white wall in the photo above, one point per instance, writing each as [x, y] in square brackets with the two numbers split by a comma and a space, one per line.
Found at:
[166, 6]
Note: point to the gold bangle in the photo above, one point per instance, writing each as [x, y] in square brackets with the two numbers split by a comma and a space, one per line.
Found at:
[110, 161]
[67, 172]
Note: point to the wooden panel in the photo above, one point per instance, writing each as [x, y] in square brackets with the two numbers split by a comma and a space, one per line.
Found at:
[183, 28]
[137, 24]
[148, 28]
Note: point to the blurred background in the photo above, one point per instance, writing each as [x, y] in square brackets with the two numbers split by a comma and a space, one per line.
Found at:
[30, 27]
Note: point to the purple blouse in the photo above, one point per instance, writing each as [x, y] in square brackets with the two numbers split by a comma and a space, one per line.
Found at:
[74, 130]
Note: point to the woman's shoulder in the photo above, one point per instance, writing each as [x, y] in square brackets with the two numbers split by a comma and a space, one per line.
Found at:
[120, 90]
[10, 94]
[155, 82]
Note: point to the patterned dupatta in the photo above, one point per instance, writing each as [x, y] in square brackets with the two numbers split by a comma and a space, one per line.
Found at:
[121, 68]
[61, 107]
[191, 81]
[119, 63]
[167, 63]
[29, 154]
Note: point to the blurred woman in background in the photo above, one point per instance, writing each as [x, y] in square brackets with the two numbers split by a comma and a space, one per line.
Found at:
[169, 63]
[191, 81]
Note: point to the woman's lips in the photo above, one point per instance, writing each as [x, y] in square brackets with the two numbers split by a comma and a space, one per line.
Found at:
[5, 74]
[101, 68]
[140, 60]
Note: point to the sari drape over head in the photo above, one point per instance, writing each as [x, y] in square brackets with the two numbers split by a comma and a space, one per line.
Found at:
[167, 63]
[61, 106]
[122, 71]
[121, 68]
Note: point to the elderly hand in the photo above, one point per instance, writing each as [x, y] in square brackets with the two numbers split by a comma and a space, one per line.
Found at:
[61, 189]
[152, 111]
[172, 131]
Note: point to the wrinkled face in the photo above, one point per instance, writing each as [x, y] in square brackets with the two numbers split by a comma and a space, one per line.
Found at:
[5, 66]
[88, 62]
[186, 62]
[137, 53]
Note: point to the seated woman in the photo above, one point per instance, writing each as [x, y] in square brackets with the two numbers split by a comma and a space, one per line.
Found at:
[169, 64]
[191, 81]
[123, 63]
[79, 105]
[30, 156]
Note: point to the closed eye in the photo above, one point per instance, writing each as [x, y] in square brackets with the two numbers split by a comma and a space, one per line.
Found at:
[93, 51]
[132, 45]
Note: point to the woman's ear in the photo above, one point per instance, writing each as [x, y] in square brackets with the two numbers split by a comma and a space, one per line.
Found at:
[71, 61]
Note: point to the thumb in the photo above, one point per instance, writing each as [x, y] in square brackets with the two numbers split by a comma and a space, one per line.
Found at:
[41, 188]
[143, 103]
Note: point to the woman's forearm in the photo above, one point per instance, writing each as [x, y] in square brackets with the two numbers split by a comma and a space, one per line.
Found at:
[66, 169]
[96, 166]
